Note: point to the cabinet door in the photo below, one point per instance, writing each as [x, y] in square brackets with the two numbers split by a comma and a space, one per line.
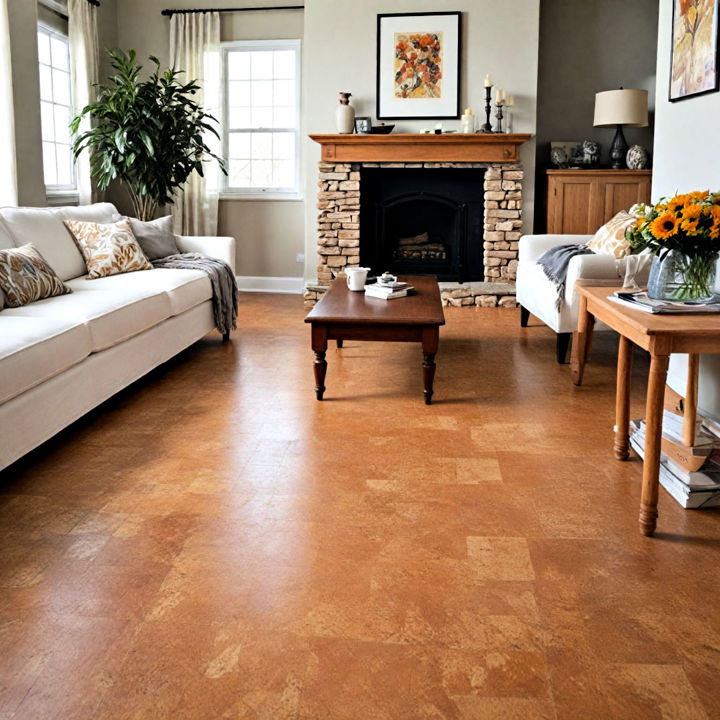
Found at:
[570, 205]
[622, 194]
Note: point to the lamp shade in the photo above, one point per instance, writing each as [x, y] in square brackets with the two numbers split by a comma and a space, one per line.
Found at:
[621, 107]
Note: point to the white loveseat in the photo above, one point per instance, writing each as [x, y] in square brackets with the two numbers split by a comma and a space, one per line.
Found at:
[62, 356]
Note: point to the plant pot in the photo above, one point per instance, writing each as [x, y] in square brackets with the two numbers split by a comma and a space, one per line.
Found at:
[683, 278]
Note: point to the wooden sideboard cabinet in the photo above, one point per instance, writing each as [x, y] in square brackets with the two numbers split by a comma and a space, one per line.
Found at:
[580, 201]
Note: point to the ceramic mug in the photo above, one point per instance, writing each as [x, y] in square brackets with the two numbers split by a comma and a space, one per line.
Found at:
[356, 277]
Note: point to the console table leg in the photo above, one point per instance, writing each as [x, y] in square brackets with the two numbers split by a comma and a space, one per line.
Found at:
[621, 446]
[339, 343]
[320, 369]
[428, 376]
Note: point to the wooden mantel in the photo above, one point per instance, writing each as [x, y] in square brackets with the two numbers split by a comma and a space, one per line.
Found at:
[415, 147]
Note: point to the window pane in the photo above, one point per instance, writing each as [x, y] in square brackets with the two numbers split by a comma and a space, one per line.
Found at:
[43, 48]
[64, 165]
[284, 146]
[49, 165]
[284, 92]
[262, 93]
[238, 65]
[59, 53]
[284, 173]
[284, 64]
[45, 83]
[261, 173]
[239, 145]
[239, 173]
[261, 144]
[284, 117]
[61, 87]
[62, 121]
[47, 121]
[239, 94]
[261, 65]
[239, 117]
[262, 117]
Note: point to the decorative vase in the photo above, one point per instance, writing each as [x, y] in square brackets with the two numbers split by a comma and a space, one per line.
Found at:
[681, 278]
[637, 158]
[345, 115]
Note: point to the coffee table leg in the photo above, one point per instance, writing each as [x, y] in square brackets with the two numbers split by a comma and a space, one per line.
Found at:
[430, 342]
[319, 346]
[622, 399]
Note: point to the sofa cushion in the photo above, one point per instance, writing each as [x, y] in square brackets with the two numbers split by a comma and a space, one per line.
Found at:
[156, 237]
[25, 277]
[34, 349]
[184, 288]
[111, 316]
[6, 239]
[610, 238]
[97, 212]
[46, 231]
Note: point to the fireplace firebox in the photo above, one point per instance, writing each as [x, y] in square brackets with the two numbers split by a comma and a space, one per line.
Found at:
[423, 221]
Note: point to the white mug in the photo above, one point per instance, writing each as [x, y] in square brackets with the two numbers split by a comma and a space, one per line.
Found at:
[356, 277]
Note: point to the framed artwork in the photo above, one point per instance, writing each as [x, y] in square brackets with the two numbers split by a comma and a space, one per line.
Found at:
[694, 58]
[418, 65]
[363, 125]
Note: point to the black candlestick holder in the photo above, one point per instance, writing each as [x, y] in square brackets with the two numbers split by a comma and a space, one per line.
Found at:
[499, 116]
[486, 127]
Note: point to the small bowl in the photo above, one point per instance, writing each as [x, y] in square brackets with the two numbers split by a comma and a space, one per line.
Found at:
[382, 129]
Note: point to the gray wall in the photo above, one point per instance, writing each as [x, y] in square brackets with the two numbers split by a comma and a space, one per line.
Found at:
[586, 47]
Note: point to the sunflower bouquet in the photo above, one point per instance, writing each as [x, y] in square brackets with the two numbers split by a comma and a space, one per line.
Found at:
[683, 232]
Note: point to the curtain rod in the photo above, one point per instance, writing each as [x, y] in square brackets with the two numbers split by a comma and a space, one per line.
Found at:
[169, 13]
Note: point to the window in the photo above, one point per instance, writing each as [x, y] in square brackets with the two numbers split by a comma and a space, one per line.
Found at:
[261, 117]
[55, 109]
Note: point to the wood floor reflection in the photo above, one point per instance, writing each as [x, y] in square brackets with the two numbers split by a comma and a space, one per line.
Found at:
[215, 543]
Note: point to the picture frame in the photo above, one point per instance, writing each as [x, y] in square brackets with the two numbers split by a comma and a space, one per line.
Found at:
[694, 47]
[418, 66]
[363, 125]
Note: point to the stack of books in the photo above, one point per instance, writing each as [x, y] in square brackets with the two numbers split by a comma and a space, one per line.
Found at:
[692, 489]
[642, 301]
[389, 290]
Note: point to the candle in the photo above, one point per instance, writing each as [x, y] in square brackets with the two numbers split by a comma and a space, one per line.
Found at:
[499, 96]
[510, 101]
[488, 81]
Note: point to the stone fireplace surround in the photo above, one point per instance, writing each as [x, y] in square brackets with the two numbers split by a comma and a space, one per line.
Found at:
[338, 227]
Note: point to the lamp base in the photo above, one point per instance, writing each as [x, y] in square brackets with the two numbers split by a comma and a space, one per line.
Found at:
[618, 150]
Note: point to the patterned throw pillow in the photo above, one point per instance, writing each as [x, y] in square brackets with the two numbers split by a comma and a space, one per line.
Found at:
[610, 238]
[108, 248]
[26, 277]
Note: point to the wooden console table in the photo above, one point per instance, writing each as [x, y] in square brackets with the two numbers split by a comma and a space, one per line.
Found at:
[660, 335]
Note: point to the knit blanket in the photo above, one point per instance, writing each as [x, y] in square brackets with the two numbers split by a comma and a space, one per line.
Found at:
[555, 262]
[222, 279]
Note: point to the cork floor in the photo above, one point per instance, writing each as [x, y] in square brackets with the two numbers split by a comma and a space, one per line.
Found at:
[214, 543]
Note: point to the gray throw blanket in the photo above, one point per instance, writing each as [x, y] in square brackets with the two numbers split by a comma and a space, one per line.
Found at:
[222, 279]
[554, 263]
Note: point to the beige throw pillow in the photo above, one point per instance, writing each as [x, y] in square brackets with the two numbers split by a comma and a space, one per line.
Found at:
[610, 238]
[26, 277]
[108, 248]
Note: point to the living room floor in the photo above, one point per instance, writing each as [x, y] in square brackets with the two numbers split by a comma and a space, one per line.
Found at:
[215, 543]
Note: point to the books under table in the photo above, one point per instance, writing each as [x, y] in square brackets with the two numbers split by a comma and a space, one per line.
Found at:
[642, 301]
[691, 489]
[388, 291]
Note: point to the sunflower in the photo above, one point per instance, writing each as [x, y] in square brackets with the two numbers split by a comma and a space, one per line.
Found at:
[665, 225]
[715, 231]
[692, 211]
[677, 203]
[698, 194]
[690, 226]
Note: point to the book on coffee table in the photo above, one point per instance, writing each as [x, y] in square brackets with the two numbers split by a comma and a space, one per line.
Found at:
[387, 292]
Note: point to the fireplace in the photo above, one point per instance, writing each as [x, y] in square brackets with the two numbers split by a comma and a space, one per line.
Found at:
[421, 221]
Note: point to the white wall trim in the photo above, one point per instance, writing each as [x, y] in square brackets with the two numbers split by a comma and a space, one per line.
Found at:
[287, 285]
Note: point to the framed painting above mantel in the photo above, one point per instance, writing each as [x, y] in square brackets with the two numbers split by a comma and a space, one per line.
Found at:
[418, 66]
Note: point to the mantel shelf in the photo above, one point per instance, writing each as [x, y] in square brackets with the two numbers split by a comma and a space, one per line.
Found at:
[417, 147]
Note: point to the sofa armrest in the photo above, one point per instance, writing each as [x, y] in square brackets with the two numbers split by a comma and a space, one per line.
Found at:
[222, 248]
[533, 246]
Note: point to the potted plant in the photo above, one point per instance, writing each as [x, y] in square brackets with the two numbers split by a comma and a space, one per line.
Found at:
[148, 134]
[683, 233]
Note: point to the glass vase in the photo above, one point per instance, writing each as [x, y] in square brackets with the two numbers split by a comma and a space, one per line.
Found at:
[683, 278]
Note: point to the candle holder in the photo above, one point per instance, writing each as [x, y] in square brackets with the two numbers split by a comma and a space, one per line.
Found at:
[486, 127]
[499, 116]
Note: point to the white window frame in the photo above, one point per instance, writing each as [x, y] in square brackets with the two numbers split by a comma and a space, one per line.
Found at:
[230, 193]
[60, 193]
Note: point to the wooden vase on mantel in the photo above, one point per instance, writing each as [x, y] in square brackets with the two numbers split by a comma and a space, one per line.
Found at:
[345, 115]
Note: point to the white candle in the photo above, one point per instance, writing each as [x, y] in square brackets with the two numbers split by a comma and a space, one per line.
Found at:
[510, 101]
[499, 96]
[488, 81]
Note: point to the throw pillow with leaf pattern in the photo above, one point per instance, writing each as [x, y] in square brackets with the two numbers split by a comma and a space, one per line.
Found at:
[25, 277]
[108, 248]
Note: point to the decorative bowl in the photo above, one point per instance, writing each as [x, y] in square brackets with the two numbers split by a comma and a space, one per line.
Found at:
[382, 129]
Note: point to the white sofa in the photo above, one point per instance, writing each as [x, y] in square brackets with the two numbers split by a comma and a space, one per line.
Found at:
[537, 295]
[62, 356]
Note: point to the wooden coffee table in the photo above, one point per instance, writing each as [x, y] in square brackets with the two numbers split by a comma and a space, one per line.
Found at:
[346, 315]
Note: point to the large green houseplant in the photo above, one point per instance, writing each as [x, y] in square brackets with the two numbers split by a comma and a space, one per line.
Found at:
[148, 134]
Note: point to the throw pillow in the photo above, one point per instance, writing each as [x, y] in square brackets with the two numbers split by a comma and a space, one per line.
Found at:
[156, 237]
[25, 277]
[610, 238]
[108, 248]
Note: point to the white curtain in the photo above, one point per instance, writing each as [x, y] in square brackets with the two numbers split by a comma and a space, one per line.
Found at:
[84, 73]
[194, 49]
[8, 177]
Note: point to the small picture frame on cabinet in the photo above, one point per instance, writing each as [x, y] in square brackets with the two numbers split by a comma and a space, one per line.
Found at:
[363, 125]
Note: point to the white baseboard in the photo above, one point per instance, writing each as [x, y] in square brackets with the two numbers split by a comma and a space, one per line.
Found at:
[289, 285]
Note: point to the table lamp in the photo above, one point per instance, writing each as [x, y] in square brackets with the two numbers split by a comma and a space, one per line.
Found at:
[617, 108]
